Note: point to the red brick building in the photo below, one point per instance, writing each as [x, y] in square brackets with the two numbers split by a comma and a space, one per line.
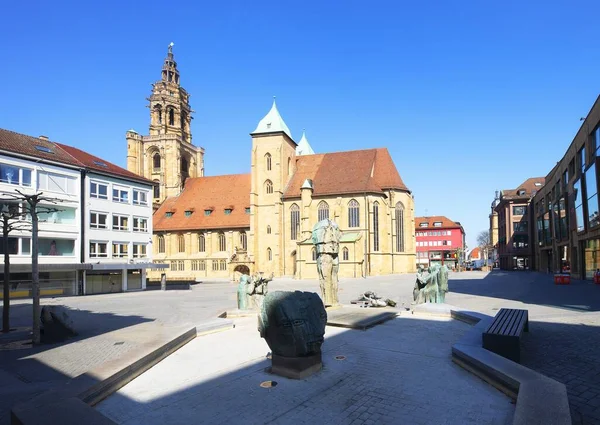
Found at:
[437, 240]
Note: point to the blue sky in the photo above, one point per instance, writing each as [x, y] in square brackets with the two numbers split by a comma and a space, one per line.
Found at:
[468, 96]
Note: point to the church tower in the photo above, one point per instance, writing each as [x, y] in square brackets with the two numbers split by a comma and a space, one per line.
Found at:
[273, 161]
[166, 156]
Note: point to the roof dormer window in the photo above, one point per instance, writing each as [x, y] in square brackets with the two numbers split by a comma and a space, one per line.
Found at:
[207, 212]
[437, 224]
[521, 192]
[188, 213]
[169, 214]
[424, 225]
[247, 210]
[227, 211]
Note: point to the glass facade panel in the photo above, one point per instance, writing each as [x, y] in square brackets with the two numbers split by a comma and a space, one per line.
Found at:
[578, 197]
[56, 247]
[591, 257]
[562, 213]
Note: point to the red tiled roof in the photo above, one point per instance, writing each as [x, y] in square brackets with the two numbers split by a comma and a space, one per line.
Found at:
[370, 170]
[201, 193]
[475, 254]
[529, 186]
[26, 145]
[94, 163]
[446, 222]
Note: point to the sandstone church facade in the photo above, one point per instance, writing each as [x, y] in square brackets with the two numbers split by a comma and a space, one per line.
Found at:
[220, 226]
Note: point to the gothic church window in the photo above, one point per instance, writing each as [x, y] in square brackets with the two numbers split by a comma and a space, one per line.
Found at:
[345, 254]
[181, 243]
[156, 189]
[314, 254]
[268, 161]
[269, 254]
[171, 116]
[243, 241]
[156, 161]
[268, 230]
[399, 227]
[158, 112]
[353, 214]
[161, 244]
[295, 221]
[201, 243]
[222, 242]
[376, 226]
[269, 186]
[323, 210]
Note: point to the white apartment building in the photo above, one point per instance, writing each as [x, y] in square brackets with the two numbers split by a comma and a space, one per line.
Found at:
[98, 240]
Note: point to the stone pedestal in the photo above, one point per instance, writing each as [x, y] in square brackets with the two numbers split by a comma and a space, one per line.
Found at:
[296, 367]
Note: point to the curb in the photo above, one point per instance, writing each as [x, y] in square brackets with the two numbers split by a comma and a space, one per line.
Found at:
[72, 403]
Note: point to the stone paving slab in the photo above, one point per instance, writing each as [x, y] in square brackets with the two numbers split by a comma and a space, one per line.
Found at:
[359, 318]
[397, 372]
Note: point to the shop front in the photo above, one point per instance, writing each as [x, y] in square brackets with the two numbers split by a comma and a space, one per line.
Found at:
[591, 257]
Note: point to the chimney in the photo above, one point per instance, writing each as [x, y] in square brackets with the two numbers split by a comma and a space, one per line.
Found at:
[44, 138]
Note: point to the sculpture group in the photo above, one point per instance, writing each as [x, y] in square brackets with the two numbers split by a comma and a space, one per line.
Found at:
[431, 285]
[326, 239]
[252, 291]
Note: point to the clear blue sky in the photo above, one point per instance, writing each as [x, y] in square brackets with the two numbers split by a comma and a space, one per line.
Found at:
[469, 96]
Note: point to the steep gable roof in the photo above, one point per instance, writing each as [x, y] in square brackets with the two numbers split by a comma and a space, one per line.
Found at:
[446, 223]
[529, 188]
[216, 193]
[369, 170]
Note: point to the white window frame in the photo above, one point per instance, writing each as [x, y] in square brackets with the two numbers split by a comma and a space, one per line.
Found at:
[97, 194]
[136, 253]
[136, 194]
[120, 253]
[119, 227]
[121, 190]
[138, 228]
[97, 245]
[97, 224]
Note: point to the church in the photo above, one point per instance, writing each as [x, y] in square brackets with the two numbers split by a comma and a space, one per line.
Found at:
[221, 226]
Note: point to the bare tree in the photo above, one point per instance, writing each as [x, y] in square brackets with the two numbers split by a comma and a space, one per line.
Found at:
[459, 253]
[30, 205]
[484, 242]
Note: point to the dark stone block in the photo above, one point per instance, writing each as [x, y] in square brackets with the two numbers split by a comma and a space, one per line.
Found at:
[296, 367]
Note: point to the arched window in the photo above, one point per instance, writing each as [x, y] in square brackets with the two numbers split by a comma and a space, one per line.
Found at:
[156, 189]
[268, 161]
[158, 113]
[184, 170]
[345, 254]
[353, 214]
[314, 254]
[201, 242]
[171, 116]
[269, 254]
[376, 226]
[295, 221]
[269, 186]
[181, 243]
[289, 166]
[268, 229]
[243, 241]
[222, 242]
[399, 227]
[156, 161]
[323, 210]
[161, 244]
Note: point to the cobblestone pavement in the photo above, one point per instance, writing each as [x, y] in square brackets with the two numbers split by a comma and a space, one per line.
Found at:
[398, 372]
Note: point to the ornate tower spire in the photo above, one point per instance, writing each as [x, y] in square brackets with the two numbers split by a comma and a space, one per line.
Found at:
[170, 74]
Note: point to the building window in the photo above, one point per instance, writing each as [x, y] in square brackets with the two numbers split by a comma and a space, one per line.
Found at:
[268, 161]
[178, 266]
[597, 139]
[353, 214]
[194, 265]
[519, 210]
[269, 186]
[188, 213]
[120, 222]
[139, 250]
[140, 224]
[399, 212]
[578, 196]
[156, 161]
[156, 189]
[98, 190]
[180, 243]
[437, 224]
[198, 265]
[98, 249]
[169, 214]
[161, 244]
[120, 250]
[592, 196]
[376, 226]
[520, 226]
[140, 197]
[171, 116]
[207, 212]
[51, 246]
[201, 243]
[227, 211]
[581, 159]
[520, 241]
[562, 212]
[423, 224]
[222, 242]
[323, 210]
[243, 241]
[56, 183]
[247, 210]
[98, 220]
[268, 229]
[345, 254]
[219, 265]
[314, 254]
[294, 221]
[269, 254]
[15, 175]
[120, 195]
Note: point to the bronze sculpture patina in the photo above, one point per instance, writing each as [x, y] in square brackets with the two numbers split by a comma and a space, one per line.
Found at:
[326, 238]
[431, 285]
[252, 290]
[293, 325]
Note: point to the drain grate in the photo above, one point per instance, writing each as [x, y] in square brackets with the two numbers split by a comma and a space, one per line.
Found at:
[268, 384]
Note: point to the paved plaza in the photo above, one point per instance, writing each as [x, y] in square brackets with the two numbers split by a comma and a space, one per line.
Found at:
[563, 340]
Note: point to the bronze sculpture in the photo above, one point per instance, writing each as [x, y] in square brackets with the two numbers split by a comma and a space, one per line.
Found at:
[252, 290]
[431, 285]
[326, 238]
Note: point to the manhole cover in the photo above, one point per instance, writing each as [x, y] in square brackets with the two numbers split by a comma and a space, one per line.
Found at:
[340, 357]
[268, 384]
